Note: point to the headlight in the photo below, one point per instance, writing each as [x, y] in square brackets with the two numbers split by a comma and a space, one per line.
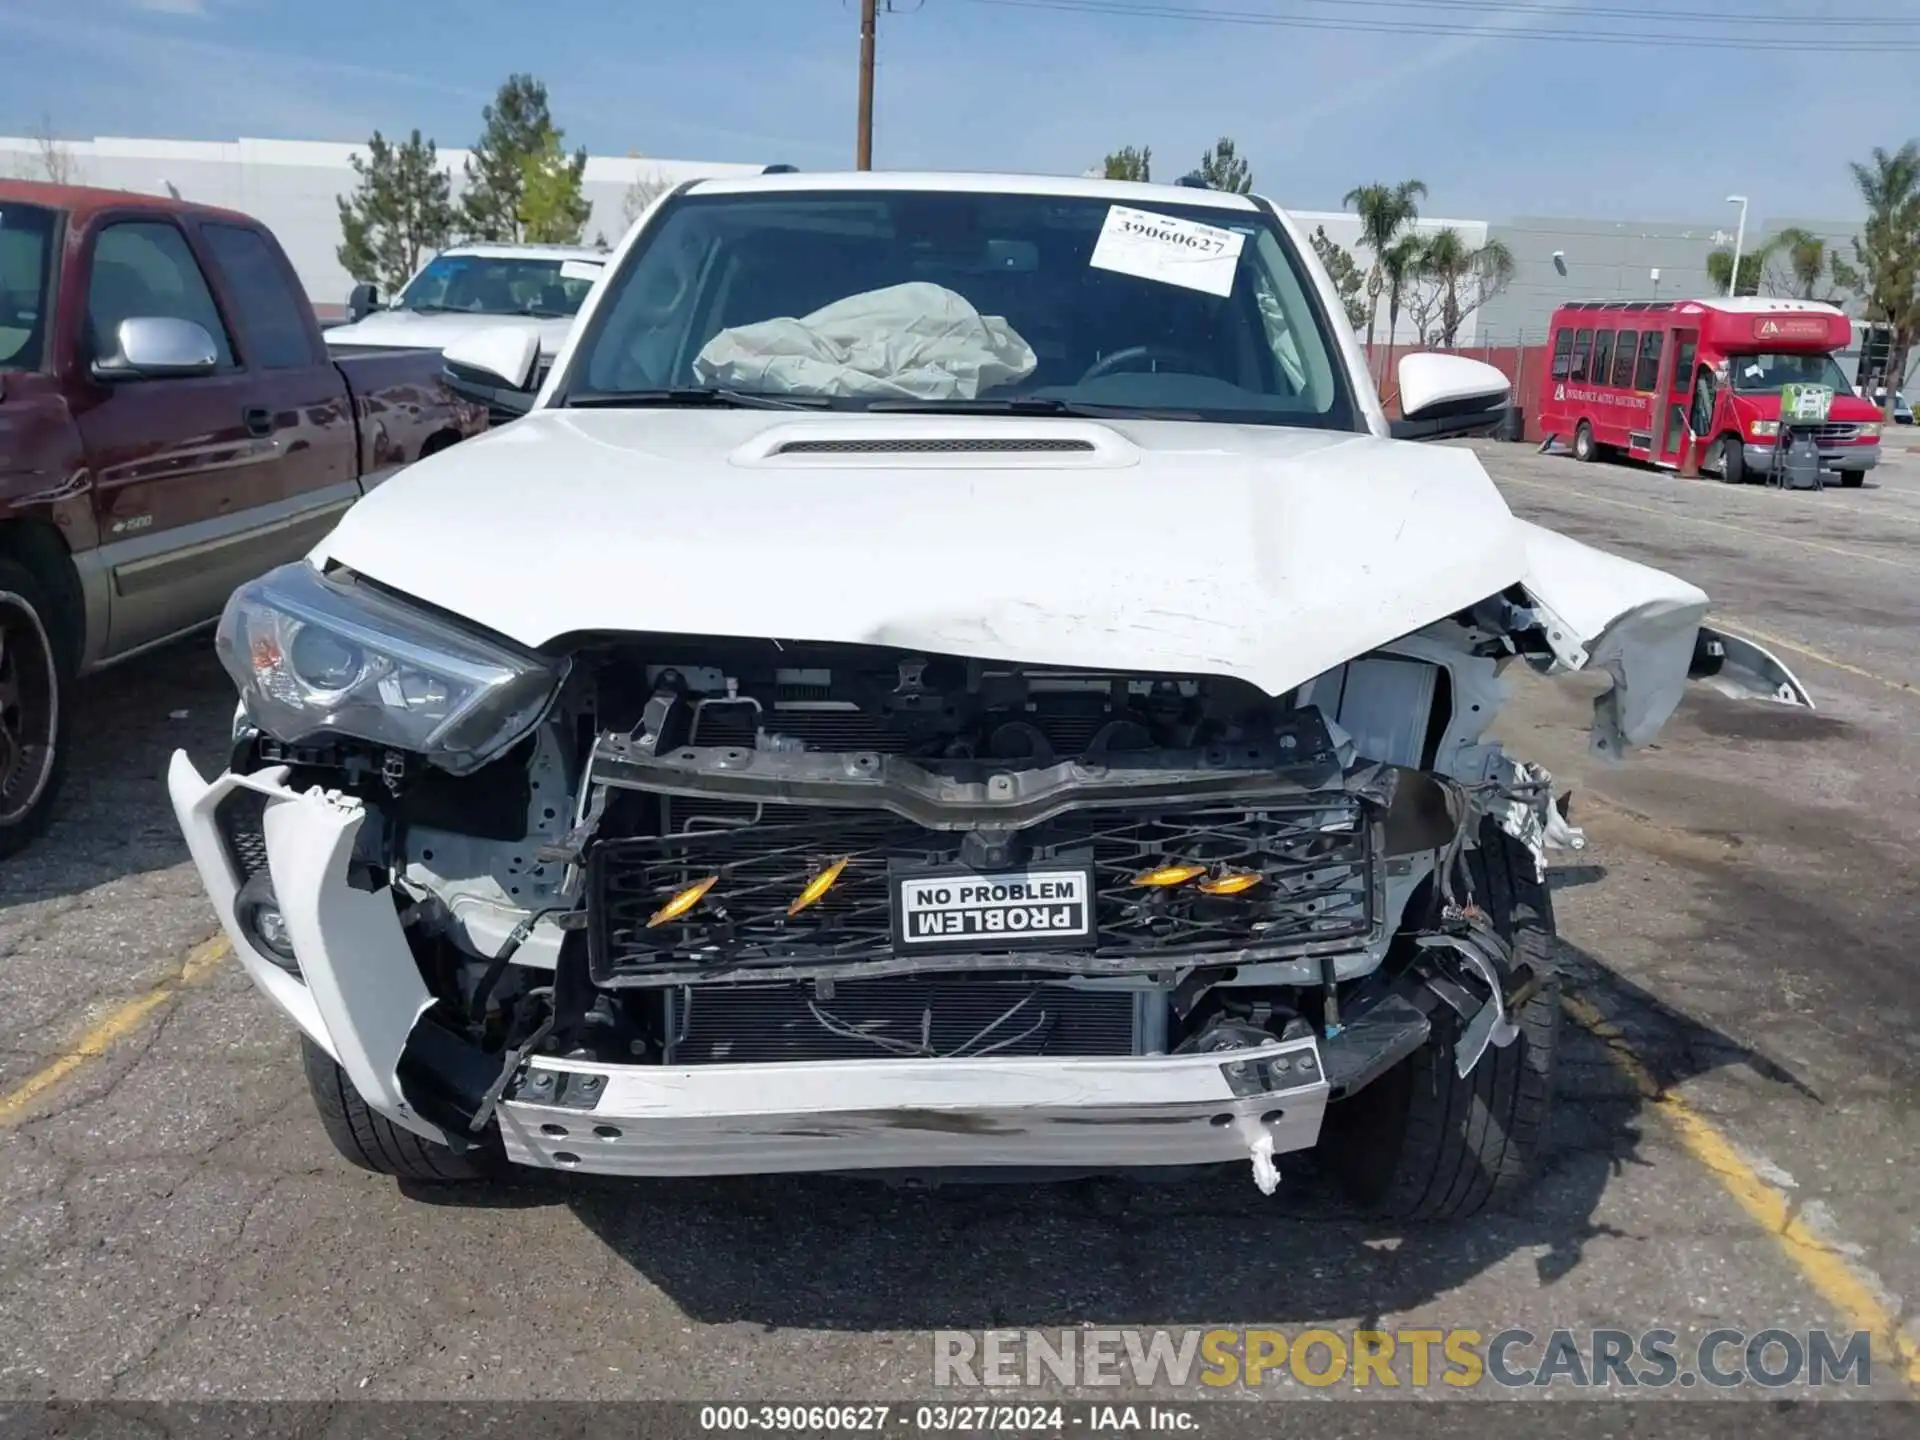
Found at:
[1870, 431]
[1764, 427]
[316, 656]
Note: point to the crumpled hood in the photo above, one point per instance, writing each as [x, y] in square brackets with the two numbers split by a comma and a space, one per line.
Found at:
[1268, 554]
[435, 330]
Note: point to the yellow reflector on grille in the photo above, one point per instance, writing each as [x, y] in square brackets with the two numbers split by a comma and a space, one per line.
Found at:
[1232, 883]
[683, 902]
[818, 887]
[1169, 875]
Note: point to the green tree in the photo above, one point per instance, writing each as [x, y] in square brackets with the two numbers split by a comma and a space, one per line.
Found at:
[1885, 271]
[1128, 163]
[1464, 278]
[552, 209]
[1752, 263]
[1344, 272]
[519, 129]
[399, 214]
[1223, 169]
[1401, 264]
[1805, 258]
[1384, 210]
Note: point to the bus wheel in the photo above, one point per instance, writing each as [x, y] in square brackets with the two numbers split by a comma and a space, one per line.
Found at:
[1584, 448]
[1733, 461]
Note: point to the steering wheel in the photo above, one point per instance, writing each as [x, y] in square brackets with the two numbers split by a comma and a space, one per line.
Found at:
[1126, 360]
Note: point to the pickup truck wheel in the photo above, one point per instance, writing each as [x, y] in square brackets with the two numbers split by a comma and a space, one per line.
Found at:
[1853, 479]
[1420, 1143]
[372, 1141]
[35, 695]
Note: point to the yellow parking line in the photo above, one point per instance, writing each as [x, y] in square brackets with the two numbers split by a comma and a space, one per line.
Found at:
[112, 1028]
[1675, 513]
[1752, 632]
[1830, 1273]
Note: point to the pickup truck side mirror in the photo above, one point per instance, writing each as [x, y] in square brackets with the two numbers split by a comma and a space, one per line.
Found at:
[362, 301]
[1446, 395]
[495, 368]
[157, 347]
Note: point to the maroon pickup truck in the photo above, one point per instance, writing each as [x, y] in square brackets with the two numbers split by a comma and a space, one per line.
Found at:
[171, 425]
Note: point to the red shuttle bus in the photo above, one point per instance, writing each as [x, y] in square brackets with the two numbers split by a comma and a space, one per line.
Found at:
[1645, 377]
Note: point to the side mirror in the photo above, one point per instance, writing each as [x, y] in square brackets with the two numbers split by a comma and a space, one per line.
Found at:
[154, 347]
[1447, 395]
[362, 301]
[495, 368]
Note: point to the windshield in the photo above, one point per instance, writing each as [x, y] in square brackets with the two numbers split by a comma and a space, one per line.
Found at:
[499, 285]
[1764, 374]
[26, 240]
[918, 299]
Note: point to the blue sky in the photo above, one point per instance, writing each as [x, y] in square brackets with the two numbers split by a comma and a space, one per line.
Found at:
[1495, 126]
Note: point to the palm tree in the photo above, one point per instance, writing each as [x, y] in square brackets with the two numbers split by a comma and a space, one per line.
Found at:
[1467, 278]
[1401, 263]
[1806, 255]
[1384, 210]
[1887, 250]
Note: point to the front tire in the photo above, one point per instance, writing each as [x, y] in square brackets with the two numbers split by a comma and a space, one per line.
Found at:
[1420, 1143]
[373, 1142]
[1733, 461]
[36, 693]
[1585, 448]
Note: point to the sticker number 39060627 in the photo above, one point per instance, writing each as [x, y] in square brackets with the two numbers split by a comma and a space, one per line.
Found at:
[1174, 252]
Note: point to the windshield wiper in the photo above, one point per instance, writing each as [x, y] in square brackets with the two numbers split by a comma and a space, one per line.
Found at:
[695, 395]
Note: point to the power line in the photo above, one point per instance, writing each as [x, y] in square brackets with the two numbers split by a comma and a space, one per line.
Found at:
[1798, 44]
[1158, 9]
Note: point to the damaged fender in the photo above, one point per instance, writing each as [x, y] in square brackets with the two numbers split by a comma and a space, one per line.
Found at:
[1643, 627]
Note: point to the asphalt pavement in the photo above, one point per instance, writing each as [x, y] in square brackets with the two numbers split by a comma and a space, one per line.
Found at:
[1733, 1143]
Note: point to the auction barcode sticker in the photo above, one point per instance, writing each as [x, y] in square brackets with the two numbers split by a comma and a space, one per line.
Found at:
[1174, 252]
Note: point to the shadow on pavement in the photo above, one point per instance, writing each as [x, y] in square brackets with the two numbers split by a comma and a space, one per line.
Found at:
[843, 1254]
[112, 817]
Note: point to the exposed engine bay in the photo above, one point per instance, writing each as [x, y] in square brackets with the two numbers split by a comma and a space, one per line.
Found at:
[722, 851]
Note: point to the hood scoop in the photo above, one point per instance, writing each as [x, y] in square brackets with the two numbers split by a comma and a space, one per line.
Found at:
[938, 442]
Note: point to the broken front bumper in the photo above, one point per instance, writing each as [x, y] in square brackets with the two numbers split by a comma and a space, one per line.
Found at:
[358, 994]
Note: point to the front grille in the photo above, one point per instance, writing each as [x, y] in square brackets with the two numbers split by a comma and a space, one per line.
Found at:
[1836, 431]
[755, 1023]
[1314, 860]
[829, 725]
[240, 821]
[975, 445]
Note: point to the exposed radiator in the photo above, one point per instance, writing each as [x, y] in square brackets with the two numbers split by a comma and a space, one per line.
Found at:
[905, 1015]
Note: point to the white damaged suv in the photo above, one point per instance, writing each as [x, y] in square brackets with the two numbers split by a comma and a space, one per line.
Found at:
[949, 674]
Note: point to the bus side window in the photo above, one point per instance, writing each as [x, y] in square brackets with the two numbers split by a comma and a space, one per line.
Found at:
[1702, 416]
[1562, 354]
[1683, 360]
[1582, 342]
[1623, 359]
[1648, 375]
[1602, 355]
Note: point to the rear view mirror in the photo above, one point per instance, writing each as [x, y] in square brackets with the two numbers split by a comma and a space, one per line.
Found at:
[158, 347]
[362, 301]
[494, 368]
[1447, 395]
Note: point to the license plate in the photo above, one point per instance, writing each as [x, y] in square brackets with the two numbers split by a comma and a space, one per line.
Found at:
[1011, 909]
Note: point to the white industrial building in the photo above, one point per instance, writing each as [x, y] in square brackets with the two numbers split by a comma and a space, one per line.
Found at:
[292, 187]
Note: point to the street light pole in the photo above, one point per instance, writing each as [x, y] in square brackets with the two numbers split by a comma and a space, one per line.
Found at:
[1739, 243]
[863, 151]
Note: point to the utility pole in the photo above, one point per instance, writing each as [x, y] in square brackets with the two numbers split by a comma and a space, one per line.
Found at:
[864, 147]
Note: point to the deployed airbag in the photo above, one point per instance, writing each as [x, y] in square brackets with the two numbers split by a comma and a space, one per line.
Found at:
[914, 342]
